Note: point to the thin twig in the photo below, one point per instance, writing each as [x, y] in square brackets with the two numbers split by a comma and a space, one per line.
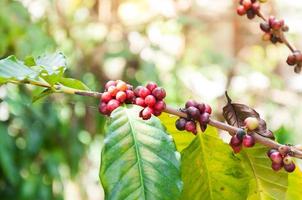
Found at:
[220, 125]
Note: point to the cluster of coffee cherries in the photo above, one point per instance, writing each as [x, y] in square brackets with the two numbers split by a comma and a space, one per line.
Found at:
[273, 30]
[281, 159]
[250, 8]
[295, 59]
[118, 92]
[115, 94]
[196, 112]
[242, 138]
[151, 98]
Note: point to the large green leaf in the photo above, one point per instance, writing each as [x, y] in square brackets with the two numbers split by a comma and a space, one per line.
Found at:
[182, 139]
[264, 183]
[12, 69]
[139, 159]
[53, 63]
[210, 171]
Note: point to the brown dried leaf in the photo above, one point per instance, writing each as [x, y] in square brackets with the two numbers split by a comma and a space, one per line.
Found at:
[235, 114]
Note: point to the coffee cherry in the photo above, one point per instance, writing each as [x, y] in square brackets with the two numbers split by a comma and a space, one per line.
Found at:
[290, 168]
[110, 83]
[256, 7]
[121, 85]
[140, 102]
[265, 27]
[157, 113]
[240, 133]
[121, 96]
[106, 96]
[251, 123]
[191, 127]
[137, 89]
[235, 141]
[247, 4]
[241, 10]
[181, 124]
[248, 141]
[103, 108]
[112, 105]
[193, 112]
[277, 166]
[287, 160]
[298, 56]
[150, 100]
[271, 20]
[277, 24]
[146, 113]
[143, 92]
[236, 149]
[269, 152]
[112, 91]
[208, 109]
[130, 95]
[129, 87]
[190, 103]
[284, 150]
[151, 86]
[276, 157]
[201, 107]
[250, 14]
[291, 60]
[159, 106]
[159, 93]
[204, 118]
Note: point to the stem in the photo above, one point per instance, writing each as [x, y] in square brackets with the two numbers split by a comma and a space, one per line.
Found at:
[232, 131]
[296, 152]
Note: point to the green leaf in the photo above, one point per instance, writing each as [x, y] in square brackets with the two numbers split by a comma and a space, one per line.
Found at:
[73, 83]
[210, 171]
[52, 64]
[51, 67]
[139, 159]
[294, 185]
[43, 94]
[13, 69]
[182, 139]
[264, 183]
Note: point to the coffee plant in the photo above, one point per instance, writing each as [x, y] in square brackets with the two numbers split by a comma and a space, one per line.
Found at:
[154, 151]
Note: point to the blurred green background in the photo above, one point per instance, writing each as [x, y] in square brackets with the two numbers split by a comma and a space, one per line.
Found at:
[194, 48]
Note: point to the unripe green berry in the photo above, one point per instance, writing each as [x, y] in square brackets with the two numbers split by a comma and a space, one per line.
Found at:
[251, 123]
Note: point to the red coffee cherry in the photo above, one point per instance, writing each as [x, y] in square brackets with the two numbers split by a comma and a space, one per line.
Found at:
[140, 102]
[151, 86]
[208, 109]
[113, 91]
[241, 10]
[106, 96]
[191, 127]
[160, 106]
[121, 96]
[248, 141]
[112, 105]
[150, 100]
[235, 141]
[290, 168]
[159, 93]
[110, 83]
[277, 166]
[121, 85]
[103, 108]
[146, 113]
[143, 92]
[276, 157]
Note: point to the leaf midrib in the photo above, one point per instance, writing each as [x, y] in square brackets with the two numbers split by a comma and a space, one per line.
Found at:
[206, 166]
[138, 156]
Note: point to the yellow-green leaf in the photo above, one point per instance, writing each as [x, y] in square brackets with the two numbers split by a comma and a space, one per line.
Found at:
[264, 183]
[294, 185]
[210, 171]
[182, 139]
